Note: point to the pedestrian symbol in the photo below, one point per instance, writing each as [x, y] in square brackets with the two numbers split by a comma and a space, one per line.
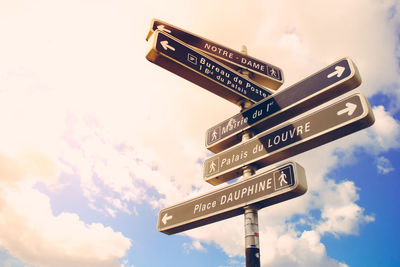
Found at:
[212, 167]
[273, 72]
[282, 178]
[214, 135]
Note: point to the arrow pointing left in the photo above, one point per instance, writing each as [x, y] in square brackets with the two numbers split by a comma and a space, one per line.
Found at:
[166, 46]
[173, 55]
[166, 218]
[162, 28]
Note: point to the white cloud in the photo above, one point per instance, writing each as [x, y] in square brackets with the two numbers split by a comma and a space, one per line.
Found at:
[340, 214]
[227, 234]
[323, 32]
[291, 248]
[29, 229]
[384, 165]
[386, 130]
[77, 96]
[36, 236]
[381, 137]
[34, 126]
[195, 245]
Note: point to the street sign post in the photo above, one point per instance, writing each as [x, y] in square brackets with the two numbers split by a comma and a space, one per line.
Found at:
[328, 123]
[278, 184]
[326, 84]
[179, 58]
[276, 119]
[263, 73]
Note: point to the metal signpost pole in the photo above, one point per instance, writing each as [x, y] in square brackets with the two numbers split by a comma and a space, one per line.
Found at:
[252, 242]
[251, 236]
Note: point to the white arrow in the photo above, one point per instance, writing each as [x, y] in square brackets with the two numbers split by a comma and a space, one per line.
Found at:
[338, 72]
[350, 108]
[166, 218]
[162, 28]
[165, 45]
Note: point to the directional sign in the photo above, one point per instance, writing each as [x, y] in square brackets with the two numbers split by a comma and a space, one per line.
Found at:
[276, 185]
[326, 84]
[263, 73]
[296, 136]
[177, 57]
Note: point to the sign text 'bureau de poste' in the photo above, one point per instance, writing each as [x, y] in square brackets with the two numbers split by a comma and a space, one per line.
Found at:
[262, 72]
[203, 70]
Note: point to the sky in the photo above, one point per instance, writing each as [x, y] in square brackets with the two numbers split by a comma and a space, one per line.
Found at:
[95, 139]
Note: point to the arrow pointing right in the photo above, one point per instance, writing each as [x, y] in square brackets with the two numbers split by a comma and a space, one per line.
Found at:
[166, 46]
[338, 72]
[166, 218]
[350, 108]
[271, 145]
